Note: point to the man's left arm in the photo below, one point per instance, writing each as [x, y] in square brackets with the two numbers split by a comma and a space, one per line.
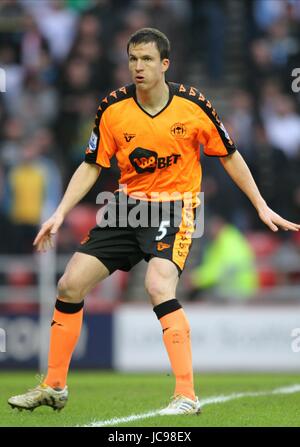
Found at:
[236, 167]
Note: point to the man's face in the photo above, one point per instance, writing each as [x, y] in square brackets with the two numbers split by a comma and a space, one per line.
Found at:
[145, 65]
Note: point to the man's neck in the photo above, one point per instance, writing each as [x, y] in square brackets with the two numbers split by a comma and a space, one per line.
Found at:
[155, 99]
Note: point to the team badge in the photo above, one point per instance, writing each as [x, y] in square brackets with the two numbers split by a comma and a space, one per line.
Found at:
[178, 130]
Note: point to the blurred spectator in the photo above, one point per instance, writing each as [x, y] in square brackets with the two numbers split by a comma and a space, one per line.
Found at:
[32, 45]
[110, 13]
[89, 27]
[89, 47]
[269, 93]
[13, 134]
[282, 43]
[271, 169]
[267, 12]
[14, 76]
[222, 197]
[81, 134]
[37, 104]
[43, 139]
[12, 16]
[57, 24]
[75, 85]
[283, 126]
[208, 34]
[121, 76]
[4, 221]
[32, 192]
[228, 266]
[260, 67]
[242, 119]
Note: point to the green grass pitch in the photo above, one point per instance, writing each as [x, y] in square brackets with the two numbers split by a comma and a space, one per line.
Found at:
[102, 396]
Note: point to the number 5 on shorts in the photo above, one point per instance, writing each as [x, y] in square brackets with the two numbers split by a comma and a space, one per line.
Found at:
[162, 229]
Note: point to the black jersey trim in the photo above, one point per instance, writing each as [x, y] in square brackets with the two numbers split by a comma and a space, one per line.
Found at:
[195, 96]
[220, 156]
[114, 97]
[120, 94]
[171, 94]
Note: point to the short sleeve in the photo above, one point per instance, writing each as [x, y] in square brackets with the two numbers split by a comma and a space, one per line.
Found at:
[212, 133]
[101, 146]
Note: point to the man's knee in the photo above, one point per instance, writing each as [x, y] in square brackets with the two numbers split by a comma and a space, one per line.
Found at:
[68, 290]
[156, 287]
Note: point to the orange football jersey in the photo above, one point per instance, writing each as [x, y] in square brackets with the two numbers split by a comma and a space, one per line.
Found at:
[161, 153]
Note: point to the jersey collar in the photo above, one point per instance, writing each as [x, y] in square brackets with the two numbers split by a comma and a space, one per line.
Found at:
[171, 94]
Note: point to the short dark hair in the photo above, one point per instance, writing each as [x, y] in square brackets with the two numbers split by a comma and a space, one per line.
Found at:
[147, 35]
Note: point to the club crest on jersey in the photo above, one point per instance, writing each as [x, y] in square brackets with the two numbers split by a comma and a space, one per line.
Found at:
[93, 142]
[178, 130]
[144, 160]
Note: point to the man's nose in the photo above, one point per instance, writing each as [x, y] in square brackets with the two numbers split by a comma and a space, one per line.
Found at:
[139, 65]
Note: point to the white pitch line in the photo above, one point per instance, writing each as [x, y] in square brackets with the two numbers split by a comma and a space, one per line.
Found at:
[210, 400]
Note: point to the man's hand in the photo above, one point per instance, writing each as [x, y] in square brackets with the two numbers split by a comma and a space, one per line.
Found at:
[273, 220]
[80, 184]
[49, 228]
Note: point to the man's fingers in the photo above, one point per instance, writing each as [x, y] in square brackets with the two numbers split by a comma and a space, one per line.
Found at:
[271, 225]
[43, 231]
[287, 225]
[38, 238]
[43, 243]
[291, 223]
[48, 244]
[273, 221]
[40, 246]
[50, 241]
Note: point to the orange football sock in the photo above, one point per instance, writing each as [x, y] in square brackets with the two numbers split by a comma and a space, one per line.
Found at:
[65, 331]
[176, 337]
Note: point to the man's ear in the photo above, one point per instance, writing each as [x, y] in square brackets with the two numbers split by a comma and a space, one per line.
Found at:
[165, 64]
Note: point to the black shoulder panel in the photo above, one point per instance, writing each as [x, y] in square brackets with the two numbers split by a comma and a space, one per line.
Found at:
[113, 97]
[194, 95]
[116, 96]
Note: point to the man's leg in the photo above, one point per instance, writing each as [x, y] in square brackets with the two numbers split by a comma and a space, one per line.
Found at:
[161, 282]
[83, 272]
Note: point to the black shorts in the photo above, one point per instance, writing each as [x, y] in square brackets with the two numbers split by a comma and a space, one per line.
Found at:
[140, 231]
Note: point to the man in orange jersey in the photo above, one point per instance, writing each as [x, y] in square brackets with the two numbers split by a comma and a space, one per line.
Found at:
[154, 128]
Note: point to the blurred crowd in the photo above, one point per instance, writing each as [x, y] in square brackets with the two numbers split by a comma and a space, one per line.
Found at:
[62, 56]
[264, 117]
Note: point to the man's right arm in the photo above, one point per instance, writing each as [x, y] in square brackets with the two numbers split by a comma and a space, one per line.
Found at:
[81, 182]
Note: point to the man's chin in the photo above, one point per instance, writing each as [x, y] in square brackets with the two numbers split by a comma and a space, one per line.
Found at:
[142, 85]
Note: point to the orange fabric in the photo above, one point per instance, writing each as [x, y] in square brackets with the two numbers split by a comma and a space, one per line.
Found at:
[183, 238]
[158, 153]
[176, 336]
[65, 331]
